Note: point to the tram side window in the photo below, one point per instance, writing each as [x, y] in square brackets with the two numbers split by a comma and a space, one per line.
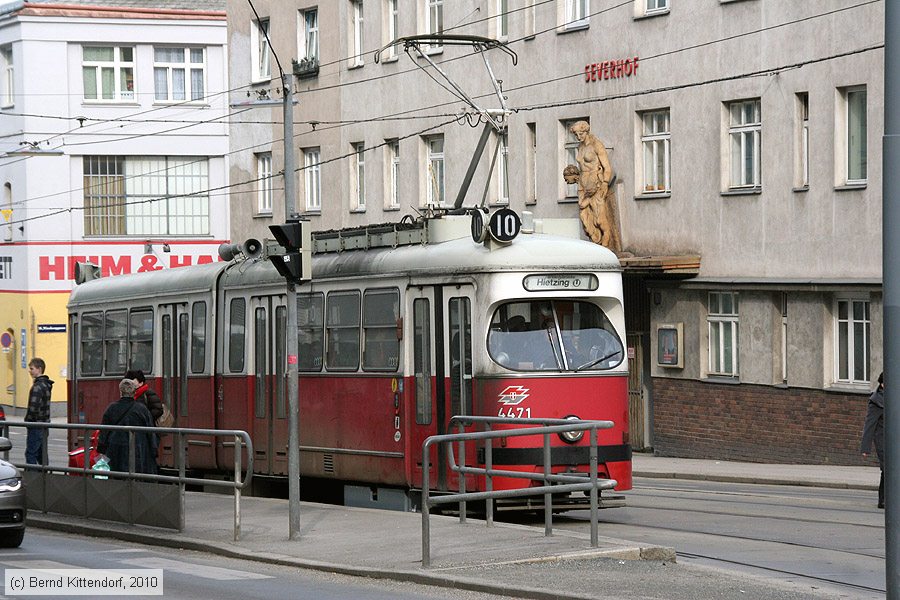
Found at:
[115, 339]
[381, 310]
[342, 331]
[198, 337]
[236, 335]
[280, 361]
[422, 359]
[140, 338]
[91, 343]
[311, 334]
[460, 356]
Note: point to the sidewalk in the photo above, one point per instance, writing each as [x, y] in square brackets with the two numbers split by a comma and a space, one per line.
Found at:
[506, 559]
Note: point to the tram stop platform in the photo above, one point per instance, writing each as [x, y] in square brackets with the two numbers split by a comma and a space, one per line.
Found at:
[507, 559]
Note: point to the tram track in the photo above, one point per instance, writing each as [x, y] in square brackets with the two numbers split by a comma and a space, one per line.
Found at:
[828, 580]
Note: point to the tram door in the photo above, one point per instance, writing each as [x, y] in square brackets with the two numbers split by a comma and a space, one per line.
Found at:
[441, 318]
[269, 383]
[175, 335]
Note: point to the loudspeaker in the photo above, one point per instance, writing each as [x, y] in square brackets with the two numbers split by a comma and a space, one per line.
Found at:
[252, 248]
[85, 271]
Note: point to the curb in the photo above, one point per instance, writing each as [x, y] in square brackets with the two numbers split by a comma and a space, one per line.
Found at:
[755, 480]
[79, 526]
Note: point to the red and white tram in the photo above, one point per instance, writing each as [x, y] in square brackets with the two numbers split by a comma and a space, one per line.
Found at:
[393, 341]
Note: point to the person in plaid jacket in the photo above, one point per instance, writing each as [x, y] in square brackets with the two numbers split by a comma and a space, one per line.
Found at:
[38, 410]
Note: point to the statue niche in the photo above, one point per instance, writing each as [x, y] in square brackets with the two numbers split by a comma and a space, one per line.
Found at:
[596, 199]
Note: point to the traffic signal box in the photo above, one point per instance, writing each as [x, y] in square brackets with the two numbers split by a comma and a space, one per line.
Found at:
[295, 262]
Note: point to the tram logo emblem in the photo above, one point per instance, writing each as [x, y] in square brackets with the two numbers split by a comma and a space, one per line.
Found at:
[513, 395]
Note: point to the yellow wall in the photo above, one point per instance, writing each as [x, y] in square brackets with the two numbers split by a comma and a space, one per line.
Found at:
[27, 311]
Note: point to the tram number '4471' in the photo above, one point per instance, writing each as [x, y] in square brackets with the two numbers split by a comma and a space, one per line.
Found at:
[514, 412]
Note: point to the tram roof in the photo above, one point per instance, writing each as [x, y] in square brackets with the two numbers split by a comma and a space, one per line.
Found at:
[527, 253]
[160, 283]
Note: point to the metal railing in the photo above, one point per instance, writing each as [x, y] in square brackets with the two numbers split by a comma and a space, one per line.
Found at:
[552, 482]
[240, 481]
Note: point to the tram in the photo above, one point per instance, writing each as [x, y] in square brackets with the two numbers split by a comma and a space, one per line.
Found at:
[401, 327]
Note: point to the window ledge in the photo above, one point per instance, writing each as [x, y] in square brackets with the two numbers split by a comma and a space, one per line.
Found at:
[180, 103]
[661, 13]
[434, 50]
[126, 103]
[849, 388]
[391, 59]
[653, 196]
[802, 188]
[755, 191]
[357, 211]
[849, 187]
[356, 65]
[568, 200]
[391, 208]
[577, 26]
[262, 215]
[724, 379]
[316, 212]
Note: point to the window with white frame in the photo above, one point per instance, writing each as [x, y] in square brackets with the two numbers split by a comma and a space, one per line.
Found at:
[392, 26]
[313, 180]
[434, 171]
[7, 91]
[652, 7]
[502, 18]
[108, 73]
[356, 33]
[745, 143]
[531, 157]
[577, 12]
[723, 333]
[851, 336]
[309, 41]
[264, 183]
[259, 45]
[855, 131]
[503, 169]
[393, 175]
[179, 74]
[359, 176]
[656, 146]
[571, 149]
[802, 143]
[434, 18]
[145, 195]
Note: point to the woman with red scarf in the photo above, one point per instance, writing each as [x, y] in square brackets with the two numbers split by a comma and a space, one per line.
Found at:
[145, 395]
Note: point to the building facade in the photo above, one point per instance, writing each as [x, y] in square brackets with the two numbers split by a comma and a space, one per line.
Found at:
[739, 131]
[114, 138]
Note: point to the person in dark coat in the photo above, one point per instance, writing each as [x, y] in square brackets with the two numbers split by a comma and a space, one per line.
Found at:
[38, 410]
[145, 394]
[114, 444]
[873, 431]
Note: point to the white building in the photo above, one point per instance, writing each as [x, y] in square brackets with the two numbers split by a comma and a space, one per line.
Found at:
[745, 135]
[113, 128]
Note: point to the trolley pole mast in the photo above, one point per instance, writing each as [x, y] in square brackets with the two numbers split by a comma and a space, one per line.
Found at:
[293, 394]
[890, 249]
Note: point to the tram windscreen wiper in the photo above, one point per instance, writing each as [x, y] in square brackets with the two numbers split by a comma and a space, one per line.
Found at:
[592, 363]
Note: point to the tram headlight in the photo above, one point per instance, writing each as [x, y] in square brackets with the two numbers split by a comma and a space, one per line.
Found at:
[572, 437]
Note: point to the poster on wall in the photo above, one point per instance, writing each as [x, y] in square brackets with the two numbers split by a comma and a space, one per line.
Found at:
[670, 345]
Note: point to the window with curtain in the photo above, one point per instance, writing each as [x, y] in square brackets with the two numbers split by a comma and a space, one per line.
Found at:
[655, 142]
[179, 74]
[108, 73]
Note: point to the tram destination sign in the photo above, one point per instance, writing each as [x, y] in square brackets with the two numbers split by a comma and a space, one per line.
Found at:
[552, 282]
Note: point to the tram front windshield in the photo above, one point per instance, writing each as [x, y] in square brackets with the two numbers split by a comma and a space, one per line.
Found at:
[553, 335]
